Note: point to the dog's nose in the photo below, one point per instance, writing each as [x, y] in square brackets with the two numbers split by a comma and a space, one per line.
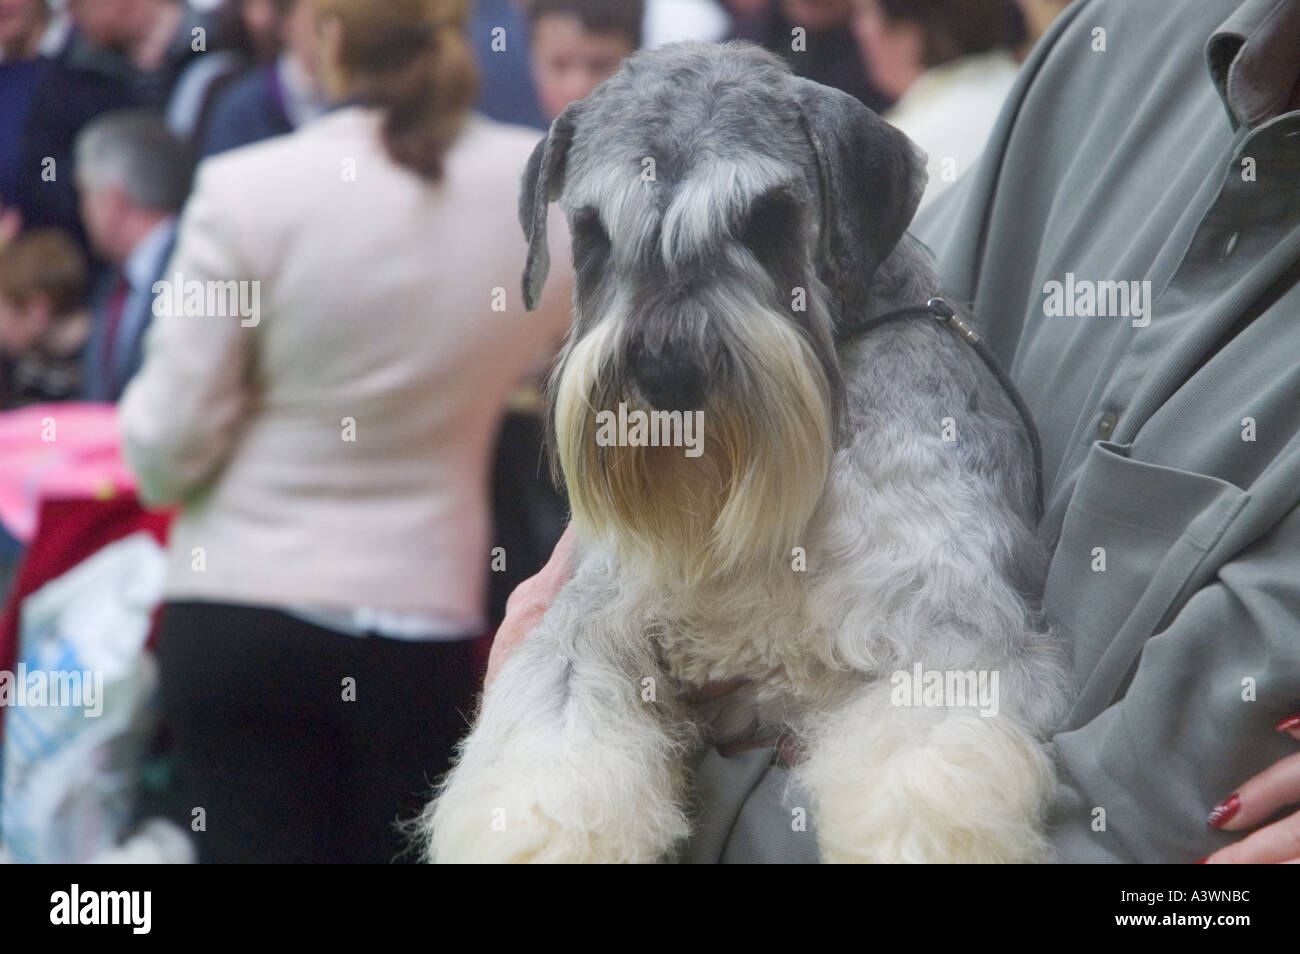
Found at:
[670, 385]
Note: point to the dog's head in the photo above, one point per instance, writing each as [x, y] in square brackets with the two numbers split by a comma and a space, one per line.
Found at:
[724, 214]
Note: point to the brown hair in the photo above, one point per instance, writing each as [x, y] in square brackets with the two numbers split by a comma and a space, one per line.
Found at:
[955, 28]
[412, 59]
[44, 261]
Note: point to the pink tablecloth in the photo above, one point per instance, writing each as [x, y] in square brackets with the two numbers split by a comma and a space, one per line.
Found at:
[57, 451]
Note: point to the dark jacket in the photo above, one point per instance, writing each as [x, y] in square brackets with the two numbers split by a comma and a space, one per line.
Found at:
[251, 110]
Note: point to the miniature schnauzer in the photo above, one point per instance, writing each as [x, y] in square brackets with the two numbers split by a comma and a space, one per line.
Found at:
[848, 550]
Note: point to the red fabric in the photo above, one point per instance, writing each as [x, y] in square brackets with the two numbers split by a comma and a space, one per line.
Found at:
[68, 532]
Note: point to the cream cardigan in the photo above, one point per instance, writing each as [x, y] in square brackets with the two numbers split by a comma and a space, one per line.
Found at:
[333, 450]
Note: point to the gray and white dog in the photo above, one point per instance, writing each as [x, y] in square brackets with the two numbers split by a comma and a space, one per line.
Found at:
[850, 545]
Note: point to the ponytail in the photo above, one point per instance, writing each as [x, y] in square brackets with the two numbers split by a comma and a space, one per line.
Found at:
[412, 60]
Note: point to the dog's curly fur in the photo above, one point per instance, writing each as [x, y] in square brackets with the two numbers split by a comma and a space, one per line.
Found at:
[831, 533]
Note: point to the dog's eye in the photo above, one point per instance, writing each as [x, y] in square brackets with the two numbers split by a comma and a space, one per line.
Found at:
[588, 233]
[590, 247]
[770, 224]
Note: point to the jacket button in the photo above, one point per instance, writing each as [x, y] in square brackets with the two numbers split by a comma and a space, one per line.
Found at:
[1106, 426]
[1229, 247]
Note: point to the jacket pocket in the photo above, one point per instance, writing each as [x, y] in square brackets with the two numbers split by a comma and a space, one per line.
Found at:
[1133, 535]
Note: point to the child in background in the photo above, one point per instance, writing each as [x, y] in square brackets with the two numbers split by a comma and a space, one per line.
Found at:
[577, 44]
[43, 321]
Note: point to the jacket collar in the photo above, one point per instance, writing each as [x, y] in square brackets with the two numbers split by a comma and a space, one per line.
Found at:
[149, 257]
[1254, 59]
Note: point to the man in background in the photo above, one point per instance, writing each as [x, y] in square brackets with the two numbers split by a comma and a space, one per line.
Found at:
[133, 177]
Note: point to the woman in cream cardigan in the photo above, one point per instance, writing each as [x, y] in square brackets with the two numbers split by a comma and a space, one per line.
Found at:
[324, 425]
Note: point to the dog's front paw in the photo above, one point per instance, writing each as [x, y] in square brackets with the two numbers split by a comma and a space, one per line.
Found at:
[554, 813]
[501, 827]
[896, 784]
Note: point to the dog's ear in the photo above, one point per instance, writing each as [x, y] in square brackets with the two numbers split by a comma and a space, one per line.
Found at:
[543, 181]
[871, 179]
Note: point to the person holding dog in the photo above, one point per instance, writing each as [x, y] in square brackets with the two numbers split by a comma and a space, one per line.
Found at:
[1171, 443]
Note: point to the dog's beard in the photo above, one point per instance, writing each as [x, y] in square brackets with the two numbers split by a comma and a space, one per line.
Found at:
[741, 505]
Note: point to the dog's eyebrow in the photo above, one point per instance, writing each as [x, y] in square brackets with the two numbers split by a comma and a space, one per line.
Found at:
[709, 205]
[624, 206]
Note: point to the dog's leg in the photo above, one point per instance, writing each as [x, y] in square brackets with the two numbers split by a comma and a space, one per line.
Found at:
[893, 783]
[572, 757]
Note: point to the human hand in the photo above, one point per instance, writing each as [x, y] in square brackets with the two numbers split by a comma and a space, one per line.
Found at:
[530, 601]
[1257, 799]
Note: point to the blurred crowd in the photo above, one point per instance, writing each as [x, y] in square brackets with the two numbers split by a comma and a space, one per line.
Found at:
[201, 79]
[127, 132]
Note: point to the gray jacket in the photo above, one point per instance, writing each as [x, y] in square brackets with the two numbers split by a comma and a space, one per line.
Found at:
[1148, 143]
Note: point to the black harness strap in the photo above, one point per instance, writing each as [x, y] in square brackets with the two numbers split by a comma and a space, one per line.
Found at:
[944, 313]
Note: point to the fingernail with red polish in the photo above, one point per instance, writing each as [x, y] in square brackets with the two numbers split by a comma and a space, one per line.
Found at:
[1286, 725]
[1224, 811]
[1202, 861]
